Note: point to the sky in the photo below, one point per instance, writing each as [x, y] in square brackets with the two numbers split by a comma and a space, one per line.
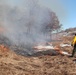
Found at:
[64, 9]
[71, 13]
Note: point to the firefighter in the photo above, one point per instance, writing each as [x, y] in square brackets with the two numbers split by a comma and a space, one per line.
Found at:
[74, 45]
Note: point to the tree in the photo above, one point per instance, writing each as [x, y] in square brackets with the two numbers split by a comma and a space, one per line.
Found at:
[54, 24]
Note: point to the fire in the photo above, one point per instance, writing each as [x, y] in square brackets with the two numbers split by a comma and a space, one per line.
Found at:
[50, 47]
[3, 48]
[43, 47]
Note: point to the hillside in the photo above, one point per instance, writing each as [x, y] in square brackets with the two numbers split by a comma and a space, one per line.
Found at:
[12, 63]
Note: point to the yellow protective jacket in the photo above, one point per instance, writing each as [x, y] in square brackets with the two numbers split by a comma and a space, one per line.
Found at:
[74, 41]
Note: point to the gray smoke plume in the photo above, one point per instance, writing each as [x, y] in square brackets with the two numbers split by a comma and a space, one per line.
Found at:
[25, 23]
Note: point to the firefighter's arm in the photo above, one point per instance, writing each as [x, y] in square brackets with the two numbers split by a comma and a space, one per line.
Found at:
[73, 42]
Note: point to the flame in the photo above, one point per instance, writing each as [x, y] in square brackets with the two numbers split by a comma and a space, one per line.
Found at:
[56, 48]
[3, 48]
[43, 47]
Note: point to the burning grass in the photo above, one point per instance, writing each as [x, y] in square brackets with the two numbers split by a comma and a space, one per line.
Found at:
[51, 49]
[43, 62]
[14, 64]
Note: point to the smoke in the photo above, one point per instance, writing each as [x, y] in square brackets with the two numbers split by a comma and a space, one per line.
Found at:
[25, 23]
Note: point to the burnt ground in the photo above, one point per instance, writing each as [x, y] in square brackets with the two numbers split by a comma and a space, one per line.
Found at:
[38, 64]
[13, 64]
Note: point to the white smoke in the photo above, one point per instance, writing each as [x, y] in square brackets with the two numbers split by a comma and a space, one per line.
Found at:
[26, 23]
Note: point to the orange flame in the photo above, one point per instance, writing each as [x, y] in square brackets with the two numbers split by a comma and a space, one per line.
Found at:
[56, 48]
[3, 48]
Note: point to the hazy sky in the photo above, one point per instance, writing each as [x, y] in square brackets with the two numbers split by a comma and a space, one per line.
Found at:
[64, 9]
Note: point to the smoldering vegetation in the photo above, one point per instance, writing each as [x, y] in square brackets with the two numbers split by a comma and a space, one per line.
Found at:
[25, 25]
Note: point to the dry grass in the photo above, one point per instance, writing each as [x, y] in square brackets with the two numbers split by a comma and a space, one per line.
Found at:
[13, 64]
